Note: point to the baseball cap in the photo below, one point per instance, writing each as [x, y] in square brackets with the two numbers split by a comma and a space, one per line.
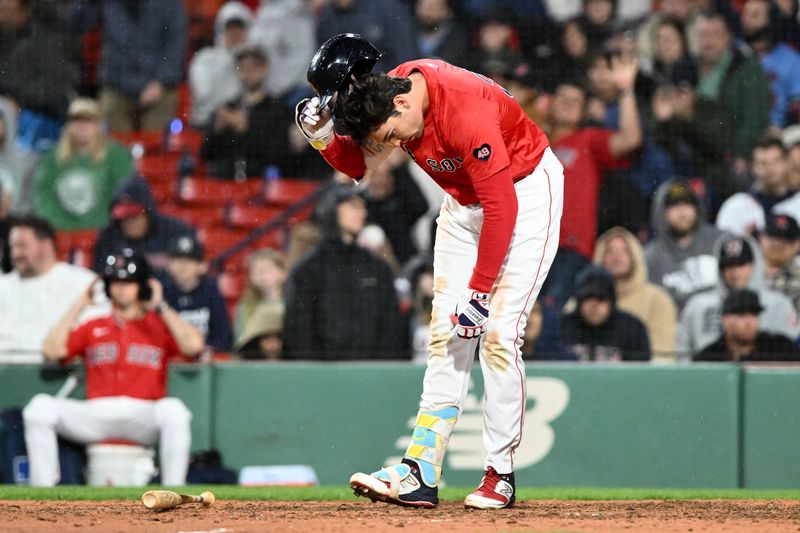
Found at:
[741, 301]
[782, 227]
[83, 108]
[189, 247]
[680, 193]
[126, 209]
[735, 251]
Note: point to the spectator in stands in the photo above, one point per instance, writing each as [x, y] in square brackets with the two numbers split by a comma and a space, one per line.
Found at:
[340, 299]
[75, 180]
[621, 200]
[597, 330]
[498, 39]
[737, 84]
[421, 308]
[137, 224]
[38, 291]
[263, 337]
[588, 152]
[266, 275]
[285, 30]
[740, 267]
[746, 212]
[126, 355]
[787, 27]
[780, 243]
[9, 181]
[249, 132]
[37, 73]
[387, 24]
[439, 33]
[144, 44]
[195, 295]
[669, 50]
[684, 12]
[598, 19]
[680, 257]
[213, 79]
[37, 77]
[571, 57]
[619, 252]
[791, 140]
[687, 129]
[9, 174]
[395, 203]
[742, 339]
[780, 62]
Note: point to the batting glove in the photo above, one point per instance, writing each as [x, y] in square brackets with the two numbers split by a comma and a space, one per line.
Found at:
[316, 127]
[471, 315]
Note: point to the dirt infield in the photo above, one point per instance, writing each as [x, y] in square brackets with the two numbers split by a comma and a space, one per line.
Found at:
[709, 516]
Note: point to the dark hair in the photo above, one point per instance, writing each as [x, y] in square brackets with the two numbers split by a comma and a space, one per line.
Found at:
[41, 227]
[679, 27]
[253, 52]
[367, 103]
[770, 141]
[711, 14]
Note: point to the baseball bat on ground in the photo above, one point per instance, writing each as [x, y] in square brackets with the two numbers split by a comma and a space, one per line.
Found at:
[167, 499]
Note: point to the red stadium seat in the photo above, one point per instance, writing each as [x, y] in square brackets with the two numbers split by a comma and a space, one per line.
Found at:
[216, 240]
[250, 216]
[159, 166]
[285, 191]
[200, 216]
[206, 191]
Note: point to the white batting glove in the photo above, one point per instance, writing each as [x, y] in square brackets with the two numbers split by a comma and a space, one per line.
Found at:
[471, 315]
[315, 124]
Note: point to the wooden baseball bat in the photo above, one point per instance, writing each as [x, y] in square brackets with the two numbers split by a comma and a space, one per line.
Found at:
[167, 499]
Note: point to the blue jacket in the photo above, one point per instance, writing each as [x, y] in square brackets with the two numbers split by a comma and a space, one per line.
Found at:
[204, 308]
[143, 41]
[782, 67]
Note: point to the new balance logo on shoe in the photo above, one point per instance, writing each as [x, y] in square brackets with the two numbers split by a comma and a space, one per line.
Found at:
[496, 491]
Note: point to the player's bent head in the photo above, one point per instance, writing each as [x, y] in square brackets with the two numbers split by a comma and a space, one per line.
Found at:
[368, 103]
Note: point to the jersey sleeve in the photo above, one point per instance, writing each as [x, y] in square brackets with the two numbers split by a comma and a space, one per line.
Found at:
[78, 341]
[600, 148]
[480, 140]
[344, 154]
[167, 341]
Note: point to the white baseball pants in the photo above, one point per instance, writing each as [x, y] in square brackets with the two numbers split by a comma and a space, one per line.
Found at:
[166, 422]
[450, 358]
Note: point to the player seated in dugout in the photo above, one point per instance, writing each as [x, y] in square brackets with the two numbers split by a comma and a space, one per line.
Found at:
[125, 355]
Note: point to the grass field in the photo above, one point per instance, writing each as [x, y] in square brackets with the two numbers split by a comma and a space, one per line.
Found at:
[232, 492]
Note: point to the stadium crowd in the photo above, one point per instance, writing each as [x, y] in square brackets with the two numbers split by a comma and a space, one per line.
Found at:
[166, 128]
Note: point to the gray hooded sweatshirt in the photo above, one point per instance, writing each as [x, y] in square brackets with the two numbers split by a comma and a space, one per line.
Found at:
[213, 78]
[700, 321]
[683, 272]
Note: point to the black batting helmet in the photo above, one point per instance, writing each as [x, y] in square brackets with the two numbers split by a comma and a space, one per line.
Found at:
[339, 58]
[127, 265]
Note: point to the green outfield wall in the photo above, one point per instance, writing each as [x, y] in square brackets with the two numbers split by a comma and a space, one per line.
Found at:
[585, 425]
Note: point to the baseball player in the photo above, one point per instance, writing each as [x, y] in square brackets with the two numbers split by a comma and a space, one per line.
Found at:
[496, 239]
[125, 357]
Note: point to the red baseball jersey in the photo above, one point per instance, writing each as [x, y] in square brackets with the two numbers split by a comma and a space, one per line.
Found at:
[124, 358]
[473, 129]
[586, 156]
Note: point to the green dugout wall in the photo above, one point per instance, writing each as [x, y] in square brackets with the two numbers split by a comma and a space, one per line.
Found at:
[586, 425]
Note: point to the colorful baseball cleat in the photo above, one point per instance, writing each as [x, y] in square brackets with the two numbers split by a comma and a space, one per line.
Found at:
[496, 491]
[400, 484]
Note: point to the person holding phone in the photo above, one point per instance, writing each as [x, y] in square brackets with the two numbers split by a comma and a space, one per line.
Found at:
[125, 355]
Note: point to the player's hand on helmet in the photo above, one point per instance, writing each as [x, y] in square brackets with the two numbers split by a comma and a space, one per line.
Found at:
[471, 315]
[316, 124]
